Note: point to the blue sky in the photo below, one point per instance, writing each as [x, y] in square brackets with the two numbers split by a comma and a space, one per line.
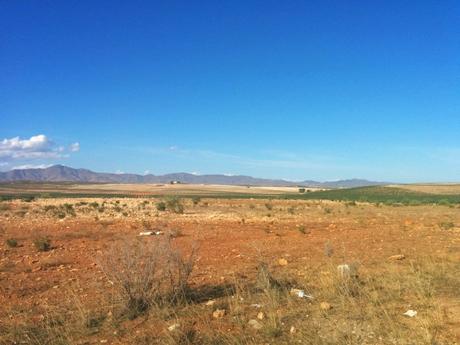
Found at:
[282, 89]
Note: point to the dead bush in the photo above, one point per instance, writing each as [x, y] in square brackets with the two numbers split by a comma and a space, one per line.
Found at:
[42, 243]
[175, 205]
[147, 273]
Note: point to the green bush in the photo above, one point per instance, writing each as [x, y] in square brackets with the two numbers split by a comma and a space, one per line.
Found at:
[11, 242]
[174, 205]
[161, 206]
[28, 198]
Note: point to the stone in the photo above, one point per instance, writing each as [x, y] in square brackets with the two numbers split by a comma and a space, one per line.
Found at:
[260, 315]
[410, 313]
[344, 271]
[282, 262]
[325, 306]
[218, 313]
[255, 324]
[397, 257]
[173, 327]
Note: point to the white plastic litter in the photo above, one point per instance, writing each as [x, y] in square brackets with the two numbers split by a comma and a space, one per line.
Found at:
[150, 233]
[300, 293]
[410, 313]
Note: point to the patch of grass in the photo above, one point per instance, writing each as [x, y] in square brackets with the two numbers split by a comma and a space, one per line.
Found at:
[5, 206]
[175, 205]
[446, 225]
[12, 242]
[28, 198]
[42, 244]
[161, 206]
[379, 194]
[302, 229]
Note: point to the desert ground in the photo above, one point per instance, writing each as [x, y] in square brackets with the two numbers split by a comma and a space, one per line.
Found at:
[231, 271]
[143, 189]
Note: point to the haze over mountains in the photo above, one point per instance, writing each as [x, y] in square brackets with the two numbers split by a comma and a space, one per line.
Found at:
[61, 173]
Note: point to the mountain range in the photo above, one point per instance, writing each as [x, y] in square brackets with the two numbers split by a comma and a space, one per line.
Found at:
[61, 173]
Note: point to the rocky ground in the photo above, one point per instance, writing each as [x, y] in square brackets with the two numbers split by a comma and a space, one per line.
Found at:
[406, 258]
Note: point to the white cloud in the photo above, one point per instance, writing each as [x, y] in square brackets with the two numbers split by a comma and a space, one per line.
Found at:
[119, 172]
[36, 147]
[75, 147]
[146, 172]
[32, 166]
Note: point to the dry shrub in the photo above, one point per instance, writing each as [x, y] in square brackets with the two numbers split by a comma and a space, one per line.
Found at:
[147, 273]
[42, 243]
[175, 205]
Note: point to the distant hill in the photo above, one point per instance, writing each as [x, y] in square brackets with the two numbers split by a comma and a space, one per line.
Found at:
[61, 173]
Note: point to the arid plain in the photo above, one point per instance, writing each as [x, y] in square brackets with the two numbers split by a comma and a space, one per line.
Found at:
[251, 270]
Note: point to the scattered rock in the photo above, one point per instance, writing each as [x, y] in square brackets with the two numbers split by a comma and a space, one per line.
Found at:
[255, 324]
[260, 315]
[397, 257]
[210, 303]
[282, 262]
[344, 271]
[173, 327]
[410, 313]
[292, 330]
[325, 306]
[218, 313]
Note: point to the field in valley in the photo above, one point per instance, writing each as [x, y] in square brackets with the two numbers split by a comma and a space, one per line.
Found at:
[269, 266]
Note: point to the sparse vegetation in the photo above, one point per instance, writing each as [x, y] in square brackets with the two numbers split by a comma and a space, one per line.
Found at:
[446, 225]
[301, 229]
[12, 242]
[42, 244]
[174, 205]
[147, 278]
[147, 274]
[161, 206]
[385, 195]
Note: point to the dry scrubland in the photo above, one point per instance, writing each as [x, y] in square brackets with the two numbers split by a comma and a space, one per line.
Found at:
[75, 271]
